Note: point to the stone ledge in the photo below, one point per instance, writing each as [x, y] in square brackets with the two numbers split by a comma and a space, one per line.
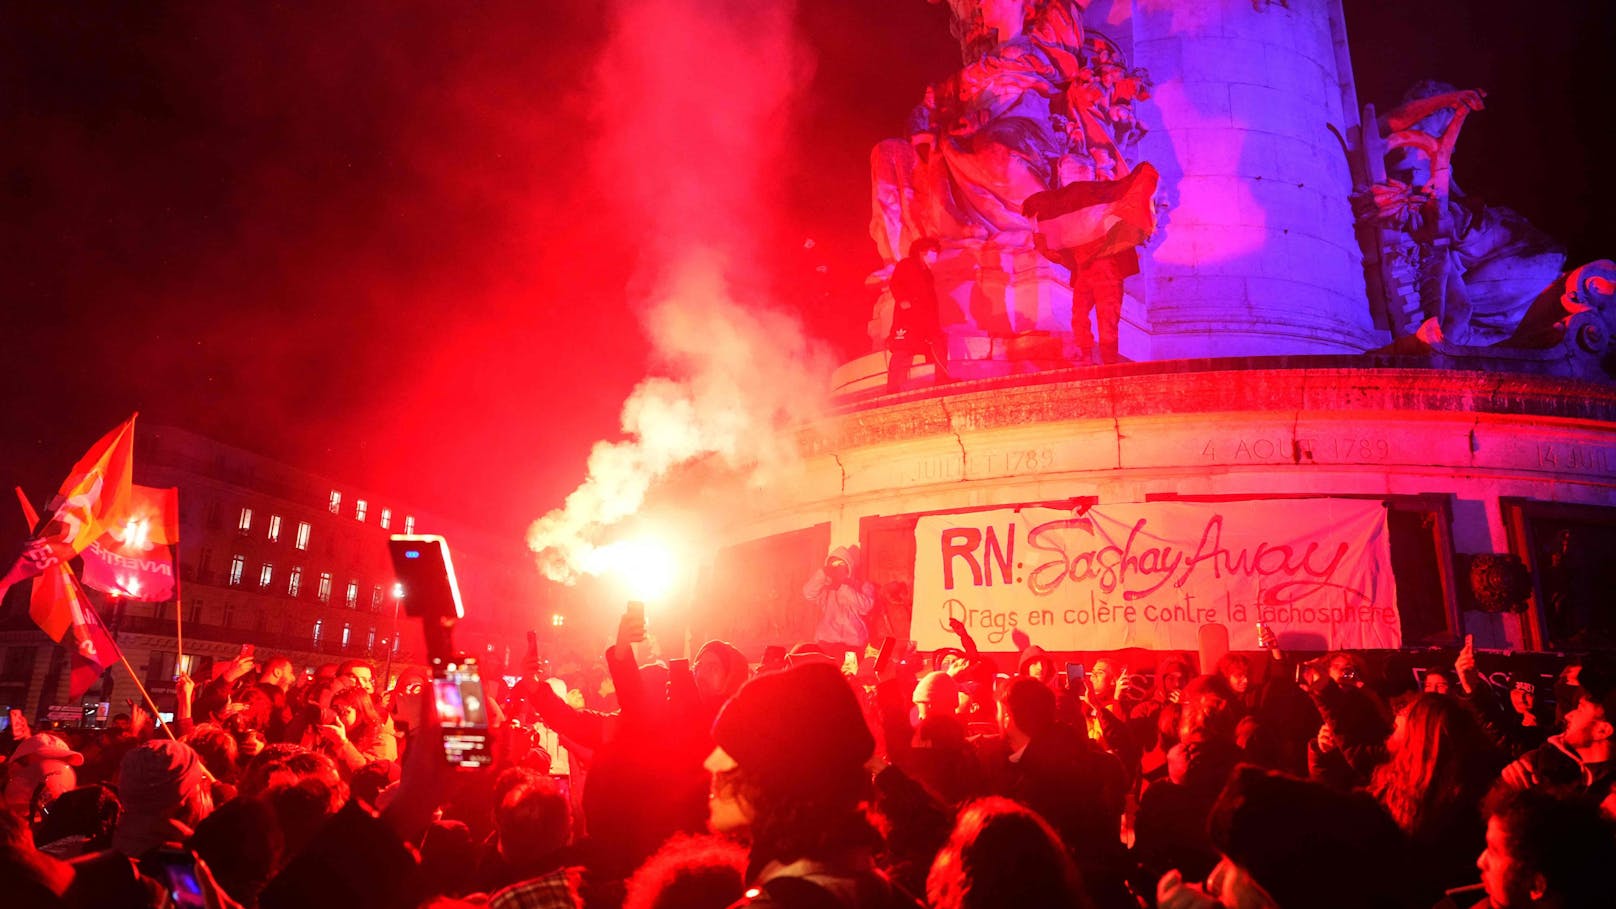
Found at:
[1296, 384]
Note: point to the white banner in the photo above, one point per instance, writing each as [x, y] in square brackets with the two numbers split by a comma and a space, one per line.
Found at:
[1318, 571]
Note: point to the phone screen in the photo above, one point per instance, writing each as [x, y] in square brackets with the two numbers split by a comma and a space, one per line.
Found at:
[1076, 675]
[177, 872]
[463, 715]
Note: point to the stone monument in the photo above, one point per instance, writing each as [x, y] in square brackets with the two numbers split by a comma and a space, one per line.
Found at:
[1324, 330]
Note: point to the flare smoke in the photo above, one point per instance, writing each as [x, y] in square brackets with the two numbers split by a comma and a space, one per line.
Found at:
[692, 97]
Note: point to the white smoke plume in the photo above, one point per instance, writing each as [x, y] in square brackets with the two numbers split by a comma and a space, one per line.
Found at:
[692, 96]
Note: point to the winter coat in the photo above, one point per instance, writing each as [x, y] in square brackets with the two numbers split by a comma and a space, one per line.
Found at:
[843, 608]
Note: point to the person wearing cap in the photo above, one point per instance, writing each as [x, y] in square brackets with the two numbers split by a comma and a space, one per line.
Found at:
[788, 770]
[41, 760]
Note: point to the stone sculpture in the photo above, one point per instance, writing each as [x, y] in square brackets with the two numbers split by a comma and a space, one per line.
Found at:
[1038, 106]
[1466, 280]
[1472, 270]
[985, 138]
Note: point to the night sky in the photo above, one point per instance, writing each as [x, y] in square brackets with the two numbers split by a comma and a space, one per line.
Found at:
[366, 237]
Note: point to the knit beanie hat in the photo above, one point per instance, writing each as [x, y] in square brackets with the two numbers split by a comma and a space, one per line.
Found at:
[938, 688]
[796, 729]
[1309, 845]
[157, 776]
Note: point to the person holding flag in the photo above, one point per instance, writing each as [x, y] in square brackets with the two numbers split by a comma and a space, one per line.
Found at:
[1094, 228]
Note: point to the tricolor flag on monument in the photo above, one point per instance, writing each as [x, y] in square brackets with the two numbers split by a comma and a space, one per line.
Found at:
[135, 557]
[94, 495]
[1091, 219]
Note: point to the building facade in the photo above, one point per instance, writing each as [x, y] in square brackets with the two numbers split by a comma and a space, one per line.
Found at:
[281, 558]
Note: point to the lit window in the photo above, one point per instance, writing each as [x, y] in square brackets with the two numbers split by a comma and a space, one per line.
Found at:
[370, 640]
[323, 594]
[294, 581]
[352, 596]
[387, 518]
[360, 505]
[266, 574]
[274, 528]
[318, 624]
[558, 620]
[238, 564]
[244, 523]
[336, 502]
[376, 598]
[346, 631]
[302, 535]
[409, 523]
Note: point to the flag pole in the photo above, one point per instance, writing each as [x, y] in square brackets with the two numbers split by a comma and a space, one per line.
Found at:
[179, 612]
[133, 677]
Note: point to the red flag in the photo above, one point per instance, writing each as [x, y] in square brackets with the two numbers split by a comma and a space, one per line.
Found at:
[96, 490]
[58, 595]
[135, 558]
[1095, 218]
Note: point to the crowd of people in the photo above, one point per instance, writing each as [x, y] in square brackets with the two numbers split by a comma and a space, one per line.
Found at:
[818, 780]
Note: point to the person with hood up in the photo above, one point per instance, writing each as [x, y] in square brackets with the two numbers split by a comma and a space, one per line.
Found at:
[844, 602]
[720, 670]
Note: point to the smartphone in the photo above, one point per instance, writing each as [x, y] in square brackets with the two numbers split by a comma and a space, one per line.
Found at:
[884, 656]
[177, 874]
[636, 610]
[1076, 676]
[457, 691]
[426, 577]
[678, 666]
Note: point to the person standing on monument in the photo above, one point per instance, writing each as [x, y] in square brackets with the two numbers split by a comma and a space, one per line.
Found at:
[1095, 227]
[915, 326]
[844, 602]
